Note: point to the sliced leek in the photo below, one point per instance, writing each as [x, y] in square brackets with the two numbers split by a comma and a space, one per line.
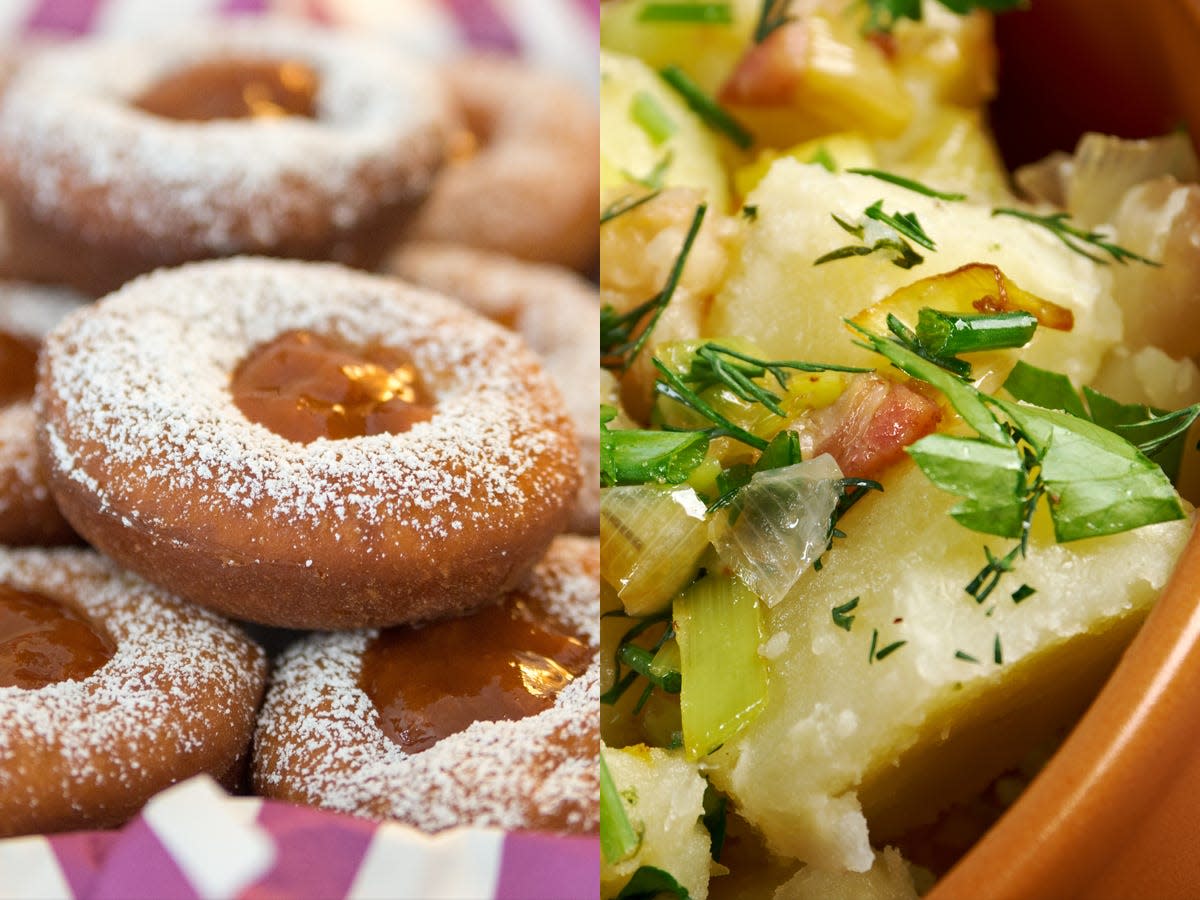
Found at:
[717, 626]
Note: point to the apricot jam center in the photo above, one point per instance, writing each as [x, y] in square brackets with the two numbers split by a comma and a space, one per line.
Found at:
[234, 89]
[303, 387]
[496, 665]
[44, 642]
[18, 369]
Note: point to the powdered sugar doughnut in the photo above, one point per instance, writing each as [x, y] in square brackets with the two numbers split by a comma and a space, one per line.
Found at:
[553, 309]
[27, 511]
[321, 145]
[321, 739]
[176, 696]
[154, 462]
[528, 182]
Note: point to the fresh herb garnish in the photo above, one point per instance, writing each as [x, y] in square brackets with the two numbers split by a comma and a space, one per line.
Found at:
[623, 335]
[622, 681]
[624, 204]
[852, 490]
[823, 158]
[842, 615]
[698, 13]
[618, 839]
[882, 15]
[711, 112]
[893, 239]
[883, 652]
[652, 883]
[1076, 238]
[997, 653]
[750, 212]
[635, 456]
[1022, 593]
[714, 365]
[771, 16]
[1094, 481]
[1155, 432]
[965, 656]
[648, 114]
[909, 183]
[655, 178]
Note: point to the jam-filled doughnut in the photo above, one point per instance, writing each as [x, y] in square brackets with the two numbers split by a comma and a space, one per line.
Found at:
[302, 445]
[488, 719]
[524, 177]
[28, 514]
[118, 158]
[110, 690]
[553, 309]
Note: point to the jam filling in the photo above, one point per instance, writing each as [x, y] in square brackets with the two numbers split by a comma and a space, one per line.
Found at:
[500, 664]
[303, 387]
[234, 89]
[18, 369]
[43, 641]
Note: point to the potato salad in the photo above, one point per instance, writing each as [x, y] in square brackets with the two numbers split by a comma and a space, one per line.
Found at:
[895, 443]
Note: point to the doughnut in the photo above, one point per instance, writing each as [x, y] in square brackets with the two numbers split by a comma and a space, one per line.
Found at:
[281, 140]
[110, 690]
[27, 511]
[305, 446]
[553, 309]
[433, 726]
[524, 178]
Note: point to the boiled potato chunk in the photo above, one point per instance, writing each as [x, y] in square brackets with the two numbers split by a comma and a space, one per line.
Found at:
[663, 795]
[626, 149]
[793, 309]
[853, 747]
[888, 879]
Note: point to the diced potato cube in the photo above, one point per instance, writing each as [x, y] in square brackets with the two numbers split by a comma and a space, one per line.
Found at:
[663, 795]
[888, 879]
[854, 747]
[793, 309]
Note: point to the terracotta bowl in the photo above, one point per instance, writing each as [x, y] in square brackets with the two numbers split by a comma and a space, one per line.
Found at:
[1116, 812]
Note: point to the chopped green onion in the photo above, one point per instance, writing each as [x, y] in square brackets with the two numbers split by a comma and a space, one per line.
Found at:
[949, 334]
[1022, 593]
[724, 678]
[625, 204]
[714, 116]
[649, 115]
[635, 456]
[842, 617]
[649, 665]
[698, 13]
[618, 839]
[910, 184]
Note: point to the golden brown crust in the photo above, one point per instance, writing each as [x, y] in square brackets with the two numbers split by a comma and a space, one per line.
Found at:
[531, 189]
[178, 698]
[151, 461]
[553, 309]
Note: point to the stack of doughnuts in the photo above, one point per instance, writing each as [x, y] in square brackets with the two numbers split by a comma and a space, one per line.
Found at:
[282, 414]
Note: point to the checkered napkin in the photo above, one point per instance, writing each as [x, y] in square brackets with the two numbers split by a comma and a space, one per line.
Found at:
[193, 841]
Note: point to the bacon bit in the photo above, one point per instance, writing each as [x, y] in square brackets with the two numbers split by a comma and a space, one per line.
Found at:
[885, 41]
[769, 73]
[869, 426]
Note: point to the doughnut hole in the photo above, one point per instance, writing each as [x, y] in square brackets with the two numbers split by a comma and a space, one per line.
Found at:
[233, 89]
[44, 641]
[303, 387]
[518, 665]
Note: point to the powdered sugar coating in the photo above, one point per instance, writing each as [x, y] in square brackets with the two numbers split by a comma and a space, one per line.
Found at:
[319, 740]
[138, 422]
[72, 138]
[175, 699]
[552, 308]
